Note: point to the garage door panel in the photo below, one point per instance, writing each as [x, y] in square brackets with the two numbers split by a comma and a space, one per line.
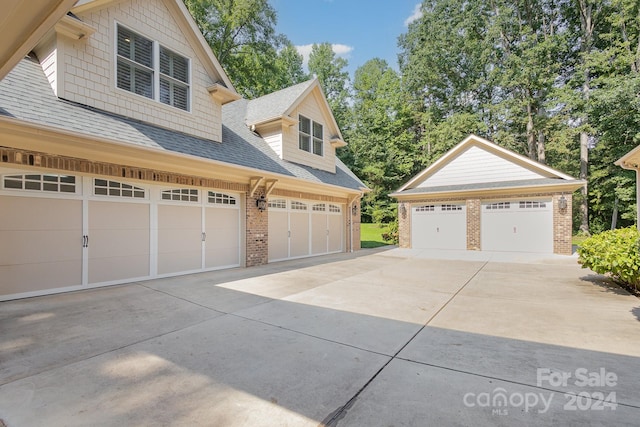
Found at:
[439, 229]
[318, 233]
[21, 278]
[335, 233]
[115, 268]
[37, 251]
[278, 235]
[517, 229]
[299, 242]
[222, 246]
[179, 238]
[119, 236]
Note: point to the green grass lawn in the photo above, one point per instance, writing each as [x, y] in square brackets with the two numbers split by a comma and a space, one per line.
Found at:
[371, 235]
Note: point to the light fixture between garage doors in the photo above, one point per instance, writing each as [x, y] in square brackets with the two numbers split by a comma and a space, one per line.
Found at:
[403, 211]
[354, 209]
[261, 203]
[562, 203]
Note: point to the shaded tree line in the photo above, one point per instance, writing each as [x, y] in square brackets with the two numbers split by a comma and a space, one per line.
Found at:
[555, 80]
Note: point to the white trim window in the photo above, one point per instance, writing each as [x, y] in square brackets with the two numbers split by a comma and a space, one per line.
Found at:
[277, 204]
[180, 195]
[220, 198]
[36, 182]
[308, 141]
[425, 208]
[104, 187]
[146, 68]
[498, 206]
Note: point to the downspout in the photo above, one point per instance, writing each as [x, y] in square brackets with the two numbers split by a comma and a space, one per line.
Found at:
[350, 213]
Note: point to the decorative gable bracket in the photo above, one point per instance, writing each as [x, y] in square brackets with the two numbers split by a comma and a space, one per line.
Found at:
[337, 142]
[74, 28]
[222, 94]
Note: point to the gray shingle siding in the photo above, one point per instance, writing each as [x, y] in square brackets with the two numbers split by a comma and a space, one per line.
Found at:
[25, 94]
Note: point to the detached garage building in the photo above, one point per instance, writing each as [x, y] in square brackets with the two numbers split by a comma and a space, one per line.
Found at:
[480, 196]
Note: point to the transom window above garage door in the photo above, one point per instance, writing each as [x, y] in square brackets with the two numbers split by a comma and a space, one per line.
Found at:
[451, 207]
[221, 199]
[498, 205]
[46, 182]
[181, 194]
[334, 208]
[532, 204]
[426, 208]
[278, 204]
[319, 207]
[103, 187]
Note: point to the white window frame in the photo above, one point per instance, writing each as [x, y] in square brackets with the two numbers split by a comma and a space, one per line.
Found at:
[425, 208]
[45, 182]
[180, 195]
[312, 138]
[219, 198]
[123, 186]
[156, 75]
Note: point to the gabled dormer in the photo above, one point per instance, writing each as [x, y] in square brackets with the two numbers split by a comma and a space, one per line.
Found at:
[298, 125]
[144, 60]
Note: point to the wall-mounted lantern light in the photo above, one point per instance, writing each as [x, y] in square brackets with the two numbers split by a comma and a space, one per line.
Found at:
[562, 203]
[261, 203]
[354, 209]
[403, 211]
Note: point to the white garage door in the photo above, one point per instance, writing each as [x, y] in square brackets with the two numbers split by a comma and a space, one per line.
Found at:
[62, 232]
[517, 226]
[439, 226]
[301, 228]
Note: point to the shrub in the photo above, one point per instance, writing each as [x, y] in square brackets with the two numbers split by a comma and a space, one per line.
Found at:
[614, 252]
[391, 235]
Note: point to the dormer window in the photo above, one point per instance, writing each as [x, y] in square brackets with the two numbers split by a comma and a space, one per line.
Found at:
[146, 68]
[310, 136]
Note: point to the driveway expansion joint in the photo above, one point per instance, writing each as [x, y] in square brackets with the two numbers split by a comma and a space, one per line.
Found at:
[333, 418]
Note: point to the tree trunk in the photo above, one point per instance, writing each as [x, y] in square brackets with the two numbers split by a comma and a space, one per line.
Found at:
[542, 157]
[531, 137]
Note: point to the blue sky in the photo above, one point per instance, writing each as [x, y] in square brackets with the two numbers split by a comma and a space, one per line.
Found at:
[359, 30]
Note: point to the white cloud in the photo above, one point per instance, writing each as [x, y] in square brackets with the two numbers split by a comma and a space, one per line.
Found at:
[339, 49]
[415, 15]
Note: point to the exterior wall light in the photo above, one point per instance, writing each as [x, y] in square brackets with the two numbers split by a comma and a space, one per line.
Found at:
[562, 203]
[403, 211]
[261, 203]
[354, 209]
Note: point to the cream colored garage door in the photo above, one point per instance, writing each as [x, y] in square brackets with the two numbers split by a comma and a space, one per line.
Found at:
[517, 226]
[299, 228]
[439, 226]
[40, 243]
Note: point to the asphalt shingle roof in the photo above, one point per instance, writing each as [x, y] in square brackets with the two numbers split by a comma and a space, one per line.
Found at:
[275, 104]
[25, 94]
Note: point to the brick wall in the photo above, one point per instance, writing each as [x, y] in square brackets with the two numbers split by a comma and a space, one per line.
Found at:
[257, 231]
[356, 225]
[473, 224]
[562, 225]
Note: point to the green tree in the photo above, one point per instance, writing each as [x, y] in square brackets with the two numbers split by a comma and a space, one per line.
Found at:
[243, 38]
[330, 71]
[381, 146]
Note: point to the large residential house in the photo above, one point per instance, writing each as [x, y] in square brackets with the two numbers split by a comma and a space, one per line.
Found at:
[127, 154]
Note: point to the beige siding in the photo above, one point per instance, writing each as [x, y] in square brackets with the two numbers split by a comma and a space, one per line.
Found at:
[273, 136]
[88, 68]
[47, 55]
[309, 108]
[465, 169]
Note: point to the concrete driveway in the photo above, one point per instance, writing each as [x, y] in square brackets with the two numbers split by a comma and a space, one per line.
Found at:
[377, 338]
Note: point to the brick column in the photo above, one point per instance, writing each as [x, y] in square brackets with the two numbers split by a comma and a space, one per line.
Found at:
[355, 220]
[404, 225]
[257, 232]
[562, 225]
[473, 224]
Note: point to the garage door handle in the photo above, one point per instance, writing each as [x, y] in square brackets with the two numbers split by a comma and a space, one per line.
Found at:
[514, 229]
[85, 241]
[437, 229]
[204, 237]
[289, 233]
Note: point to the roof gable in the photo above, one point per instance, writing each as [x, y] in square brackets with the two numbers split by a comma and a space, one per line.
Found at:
[279, 105]
[476, 161]
[189, 29]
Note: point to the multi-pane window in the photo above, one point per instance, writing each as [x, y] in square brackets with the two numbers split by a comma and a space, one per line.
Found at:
[425, 208]
[103, 187]
[532, 204]
[498, 205]
[221, 199]
[334, 208]
[310, 136]
[139, 71]
[47, 182]
[450, 207]
[181, 194]
[278, 204]
[298, 206]
[320, 207]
